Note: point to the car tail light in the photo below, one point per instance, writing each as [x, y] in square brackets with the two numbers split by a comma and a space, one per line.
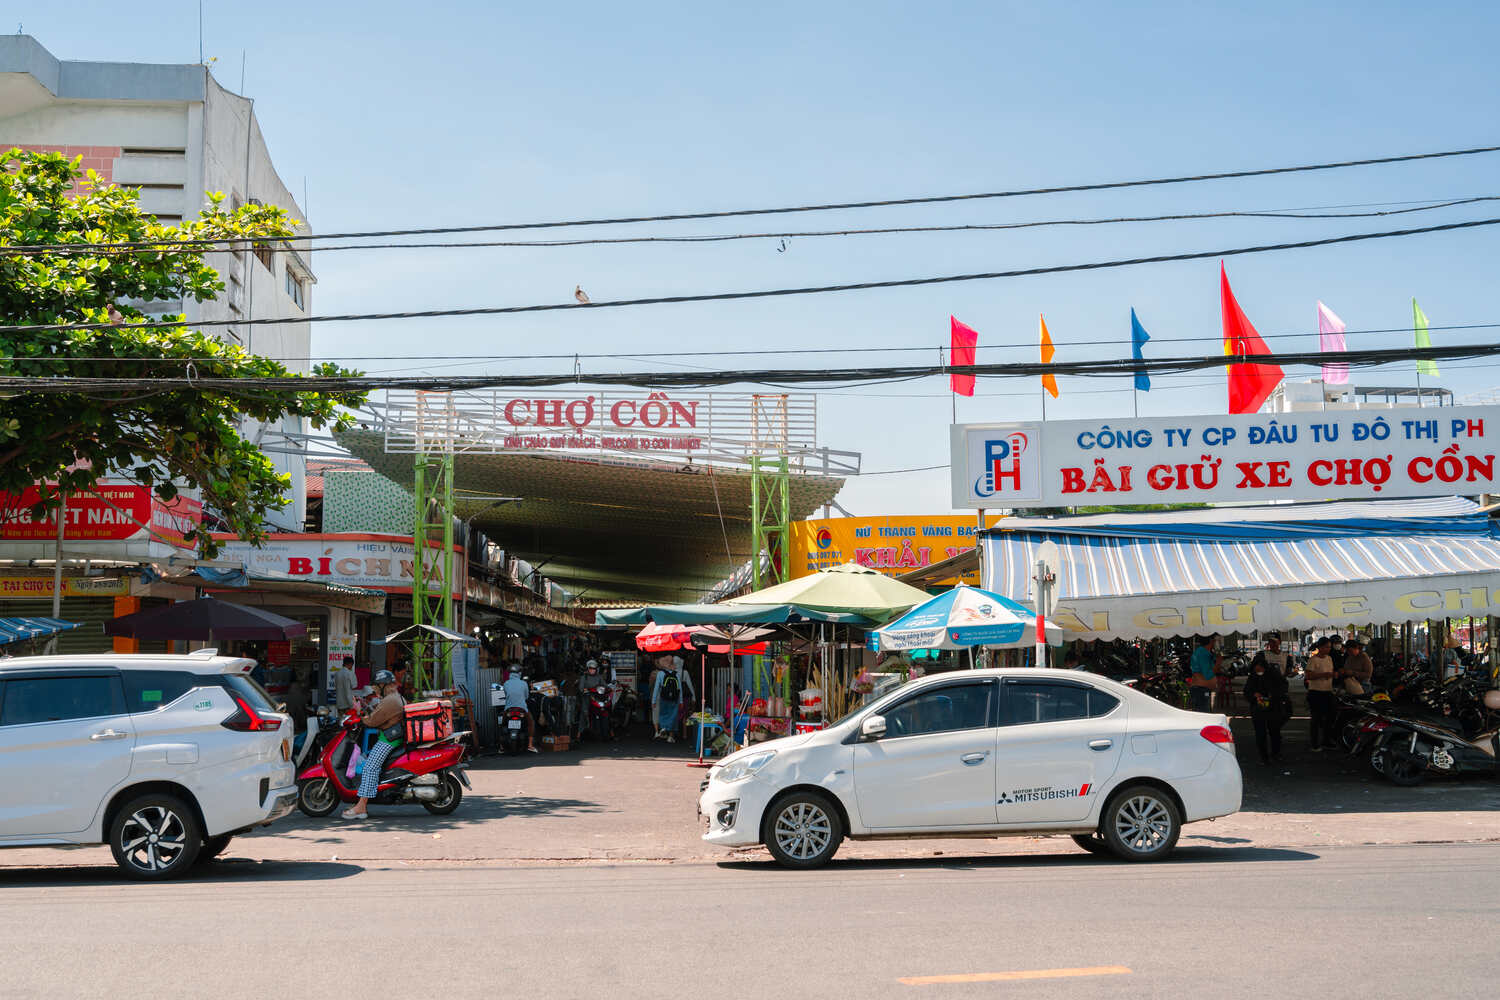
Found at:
[1217, 734]
[247, 720]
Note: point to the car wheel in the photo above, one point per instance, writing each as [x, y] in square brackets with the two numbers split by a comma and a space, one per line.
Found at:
[450, 794]
[1091, 842]
[316, 797]
[803, 830]
[155, 837]
[213, 847]
[1141, 823]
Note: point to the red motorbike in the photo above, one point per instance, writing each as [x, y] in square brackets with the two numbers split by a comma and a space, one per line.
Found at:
[431, 774]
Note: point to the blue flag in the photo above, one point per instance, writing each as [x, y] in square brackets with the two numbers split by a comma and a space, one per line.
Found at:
[1138, 338]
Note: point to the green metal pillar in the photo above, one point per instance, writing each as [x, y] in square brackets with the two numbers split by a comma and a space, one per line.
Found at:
[432, 587]
[771, 533]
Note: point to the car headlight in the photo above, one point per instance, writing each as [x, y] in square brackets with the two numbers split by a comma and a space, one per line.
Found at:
[745, 767]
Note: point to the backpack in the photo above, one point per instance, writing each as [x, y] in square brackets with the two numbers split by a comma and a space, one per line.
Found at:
[671, 690]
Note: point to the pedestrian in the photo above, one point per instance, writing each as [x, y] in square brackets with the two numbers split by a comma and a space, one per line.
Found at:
[1319, 680]
[1453, 665]
[1202, 681]
[388, 718]
[1358, 666]
[669, 692]
[1276, 658]
[1270, 707]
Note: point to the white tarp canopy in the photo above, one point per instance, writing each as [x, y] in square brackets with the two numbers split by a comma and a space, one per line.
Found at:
[1300, 566]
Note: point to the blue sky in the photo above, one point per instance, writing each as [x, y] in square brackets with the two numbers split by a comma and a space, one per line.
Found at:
[451, 114]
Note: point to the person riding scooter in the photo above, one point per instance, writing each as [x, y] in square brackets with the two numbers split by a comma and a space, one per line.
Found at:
[388, 718]
[517, 691]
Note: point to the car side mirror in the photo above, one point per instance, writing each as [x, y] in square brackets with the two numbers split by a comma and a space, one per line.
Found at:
[873, 728]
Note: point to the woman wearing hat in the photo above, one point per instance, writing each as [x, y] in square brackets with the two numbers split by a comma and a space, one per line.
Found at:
[1452, 665]
[388, 718]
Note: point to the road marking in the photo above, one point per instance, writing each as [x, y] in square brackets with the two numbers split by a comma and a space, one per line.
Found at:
[1001, 977]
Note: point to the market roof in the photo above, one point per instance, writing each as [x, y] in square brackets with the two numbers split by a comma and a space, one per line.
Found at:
[607, 529]
[1280, 561]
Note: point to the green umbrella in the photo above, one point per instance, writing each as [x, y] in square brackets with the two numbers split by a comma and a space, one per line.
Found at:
[850, 588]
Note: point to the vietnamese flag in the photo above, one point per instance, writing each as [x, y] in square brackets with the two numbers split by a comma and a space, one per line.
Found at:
[1249, 384]
[964, 341]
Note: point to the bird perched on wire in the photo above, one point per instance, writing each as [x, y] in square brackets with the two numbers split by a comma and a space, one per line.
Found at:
[580, 295]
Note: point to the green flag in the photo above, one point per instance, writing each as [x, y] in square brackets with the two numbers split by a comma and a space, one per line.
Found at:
[1419, 326]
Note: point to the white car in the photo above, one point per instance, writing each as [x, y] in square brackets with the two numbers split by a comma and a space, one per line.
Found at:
[163, 758]
[982, 753]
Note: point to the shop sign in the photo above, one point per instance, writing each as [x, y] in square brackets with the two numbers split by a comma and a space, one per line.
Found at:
[381, 562]
[279, 653]
[1327, 607]
[892, 545]
[14, 586]
[1322, 455]
[110, 513]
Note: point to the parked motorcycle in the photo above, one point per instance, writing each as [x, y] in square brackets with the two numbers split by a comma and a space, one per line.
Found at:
[1407, 751]
[512, 730]
[321, 730]
[428, 773]
[622, 714]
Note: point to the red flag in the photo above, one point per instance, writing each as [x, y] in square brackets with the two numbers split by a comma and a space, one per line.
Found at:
[1249, 384]
[964, 342]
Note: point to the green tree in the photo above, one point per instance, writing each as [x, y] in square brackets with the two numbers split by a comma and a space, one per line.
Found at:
[156, 433]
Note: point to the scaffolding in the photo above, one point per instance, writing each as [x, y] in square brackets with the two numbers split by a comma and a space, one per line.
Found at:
[433, 576]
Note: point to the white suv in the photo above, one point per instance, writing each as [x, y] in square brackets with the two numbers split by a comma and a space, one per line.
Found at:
[982, 753]
[163, 758]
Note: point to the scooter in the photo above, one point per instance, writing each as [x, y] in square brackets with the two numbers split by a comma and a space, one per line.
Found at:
[428, 773]
[321, 730]
[1408, 750]
[512, 729]
[622, 714]
[598, 708]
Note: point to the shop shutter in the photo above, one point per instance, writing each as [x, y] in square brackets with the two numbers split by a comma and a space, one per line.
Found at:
[89, 612]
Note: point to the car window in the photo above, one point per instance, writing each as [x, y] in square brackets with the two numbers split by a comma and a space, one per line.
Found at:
[252, 692]
[149, 690]
[941, 710]
[55, 699]
[1039, 701]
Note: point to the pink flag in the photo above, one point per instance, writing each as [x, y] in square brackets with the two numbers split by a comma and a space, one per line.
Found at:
[963, 343]
[1331, 338]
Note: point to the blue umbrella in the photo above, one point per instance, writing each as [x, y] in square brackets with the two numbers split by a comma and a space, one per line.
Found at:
[959, 619]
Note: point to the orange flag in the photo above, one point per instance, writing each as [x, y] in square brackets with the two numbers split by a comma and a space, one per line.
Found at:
[1049, 382]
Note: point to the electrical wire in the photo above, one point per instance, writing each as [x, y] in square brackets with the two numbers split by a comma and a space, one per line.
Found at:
[122, 249]
[840, 206]
[778, 292]
[1114, 367]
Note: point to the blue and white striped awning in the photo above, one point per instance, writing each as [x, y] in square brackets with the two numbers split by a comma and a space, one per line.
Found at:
[18, 629]
[1184, 573]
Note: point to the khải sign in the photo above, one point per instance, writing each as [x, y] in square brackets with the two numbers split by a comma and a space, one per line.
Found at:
[1323, 455]
[893, 545]
[381, 562]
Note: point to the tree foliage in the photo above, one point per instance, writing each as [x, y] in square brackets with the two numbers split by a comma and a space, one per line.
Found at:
[162, 436]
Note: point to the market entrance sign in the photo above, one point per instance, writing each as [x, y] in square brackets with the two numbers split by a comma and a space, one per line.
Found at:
[1322, 455]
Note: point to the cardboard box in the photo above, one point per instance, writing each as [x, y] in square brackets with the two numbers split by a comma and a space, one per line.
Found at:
[550, 744]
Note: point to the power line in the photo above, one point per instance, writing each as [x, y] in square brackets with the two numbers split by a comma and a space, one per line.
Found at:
[840, 206]
[123, 249]
[695, 379]
[777, 292]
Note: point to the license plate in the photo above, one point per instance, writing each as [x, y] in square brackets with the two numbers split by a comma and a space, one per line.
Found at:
[515, 725]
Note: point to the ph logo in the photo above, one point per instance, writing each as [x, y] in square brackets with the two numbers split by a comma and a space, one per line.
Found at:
[1002, 463]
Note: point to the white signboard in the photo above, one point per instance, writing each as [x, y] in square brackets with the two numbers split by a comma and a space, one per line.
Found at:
[380, 562]
[1328, 455]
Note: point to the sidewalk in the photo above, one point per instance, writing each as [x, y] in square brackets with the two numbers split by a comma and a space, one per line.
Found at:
[638, 802]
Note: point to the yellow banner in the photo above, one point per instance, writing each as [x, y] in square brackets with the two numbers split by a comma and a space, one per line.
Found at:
[18, 587]
[893, 545]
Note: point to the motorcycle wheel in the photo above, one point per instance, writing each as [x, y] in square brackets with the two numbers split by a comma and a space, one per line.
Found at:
[316, 797]
[448, 799]
[1404, 768]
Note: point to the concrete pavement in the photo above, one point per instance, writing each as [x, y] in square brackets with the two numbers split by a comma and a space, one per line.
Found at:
[1330, 923]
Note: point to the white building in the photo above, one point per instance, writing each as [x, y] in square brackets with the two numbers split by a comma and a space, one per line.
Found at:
[174, 133]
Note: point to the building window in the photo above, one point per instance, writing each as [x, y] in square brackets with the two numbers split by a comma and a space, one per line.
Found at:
[294, 288]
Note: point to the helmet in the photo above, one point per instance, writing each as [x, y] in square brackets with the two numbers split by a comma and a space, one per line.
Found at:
[1492, 699]
[384, 677]
[1380, 696]
[593, 666]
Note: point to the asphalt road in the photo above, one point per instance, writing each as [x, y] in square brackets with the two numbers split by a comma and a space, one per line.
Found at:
[1226, 922]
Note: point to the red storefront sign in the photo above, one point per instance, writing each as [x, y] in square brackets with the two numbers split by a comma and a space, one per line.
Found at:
[110, 513]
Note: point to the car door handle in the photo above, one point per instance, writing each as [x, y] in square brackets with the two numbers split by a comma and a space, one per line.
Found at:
[1100, 744]
[974, 758]
[108, 734]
